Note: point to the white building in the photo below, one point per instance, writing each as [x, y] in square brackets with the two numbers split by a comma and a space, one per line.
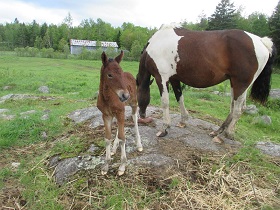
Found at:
[77, 45]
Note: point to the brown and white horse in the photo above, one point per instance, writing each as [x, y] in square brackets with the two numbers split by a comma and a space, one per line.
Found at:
[202, 59]
[116, 88]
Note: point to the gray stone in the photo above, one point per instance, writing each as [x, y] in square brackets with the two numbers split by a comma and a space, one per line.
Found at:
[15, 164]
[275, 93]
[16, 97]
[262, 120]
[251, 109]
[83, 115]
[4, 110]
[45, 117]
[44, 89]
[68, 167]
[269, 148]
[26, 114]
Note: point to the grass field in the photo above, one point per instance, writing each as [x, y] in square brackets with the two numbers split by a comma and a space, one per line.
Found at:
[73, 85]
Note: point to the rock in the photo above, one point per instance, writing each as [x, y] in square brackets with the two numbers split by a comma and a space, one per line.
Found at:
[275, 93]
[44, 89]
[262, 120]
[70, 166]
[15, 164]
[7, 87]
[44, 135]
[26, 114]
[45, 117]
[251, 109]
[4, 110]
[16, 97]
[83, 115]
[92, 148]
[269, 148]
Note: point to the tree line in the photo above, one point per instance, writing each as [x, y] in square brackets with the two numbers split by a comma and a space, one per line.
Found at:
[35, 37]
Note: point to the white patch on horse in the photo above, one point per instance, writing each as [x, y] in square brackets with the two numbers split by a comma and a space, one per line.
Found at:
[163, 49]
[263, 48]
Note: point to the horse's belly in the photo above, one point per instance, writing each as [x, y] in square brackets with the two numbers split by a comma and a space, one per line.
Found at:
[203, 81]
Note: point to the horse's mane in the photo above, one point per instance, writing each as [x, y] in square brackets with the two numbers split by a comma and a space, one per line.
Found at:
[170, 26]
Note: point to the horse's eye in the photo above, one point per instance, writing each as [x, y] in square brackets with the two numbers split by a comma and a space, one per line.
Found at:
[110, 76]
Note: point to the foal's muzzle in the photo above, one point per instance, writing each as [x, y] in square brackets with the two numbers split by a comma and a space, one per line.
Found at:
[123, 95]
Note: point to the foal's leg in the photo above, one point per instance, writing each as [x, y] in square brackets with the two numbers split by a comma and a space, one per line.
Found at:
[121, 136]
[136, 129]
[180, 99]
[108, 133]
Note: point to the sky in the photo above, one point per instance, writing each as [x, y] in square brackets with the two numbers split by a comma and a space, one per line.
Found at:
[144, 13]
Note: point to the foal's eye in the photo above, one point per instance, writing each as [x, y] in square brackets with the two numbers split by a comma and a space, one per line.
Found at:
[110, 76]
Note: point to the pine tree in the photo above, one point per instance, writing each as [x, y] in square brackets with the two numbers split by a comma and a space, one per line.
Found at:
[274, 24]
[223, 17]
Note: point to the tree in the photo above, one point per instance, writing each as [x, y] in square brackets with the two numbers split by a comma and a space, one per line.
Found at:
[223, 17]
[259, 24]
[274, 25]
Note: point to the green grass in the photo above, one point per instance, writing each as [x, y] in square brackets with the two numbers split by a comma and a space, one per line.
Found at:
[73, 85]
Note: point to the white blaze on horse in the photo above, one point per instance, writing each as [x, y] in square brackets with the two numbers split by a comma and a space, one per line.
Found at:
[116, 89]
[202, 59]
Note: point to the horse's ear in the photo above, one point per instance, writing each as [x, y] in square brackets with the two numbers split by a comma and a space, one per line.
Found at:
[151, 81]
[104, 58]
[119, 57]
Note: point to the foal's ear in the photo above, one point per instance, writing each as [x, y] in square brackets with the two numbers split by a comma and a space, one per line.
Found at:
[119, 57]
[104, 58]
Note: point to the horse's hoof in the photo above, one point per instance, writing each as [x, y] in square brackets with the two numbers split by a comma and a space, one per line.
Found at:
[181, 125]
[218, 140]
[120, 173]
[213, 134]
[162, 134]
[140, 149]
[145, 120]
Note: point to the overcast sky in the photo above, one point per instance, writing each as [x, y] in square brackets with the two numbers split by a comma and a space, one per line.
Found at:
[145, 13]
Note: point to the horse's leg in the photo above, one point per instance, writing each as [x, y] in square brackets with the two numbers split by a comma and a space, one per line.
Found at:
[108, 134]
[227, 121]
[165, 108]
[180, 99]
[121, 137]
[236, 113]
[229, 124]
[136, 129]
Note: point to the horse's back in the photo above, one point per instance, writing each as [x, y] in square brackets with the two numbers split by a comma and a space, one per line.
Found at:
[202, 58]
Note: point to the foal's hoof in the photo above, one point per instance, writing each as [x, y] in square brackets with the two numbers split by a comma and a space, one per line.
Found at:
[218, 140]
[181, 125]
[140, 149]
[103, 173]
[213, 134]
[162, 133]
[120, 173]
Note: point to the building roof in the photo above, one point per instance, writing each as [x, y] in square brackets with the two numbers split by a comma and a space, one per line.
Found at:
[78, 42]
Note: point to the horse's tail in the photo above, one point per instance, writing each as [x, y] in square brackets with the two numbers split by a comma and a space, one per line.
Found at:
[261, 86]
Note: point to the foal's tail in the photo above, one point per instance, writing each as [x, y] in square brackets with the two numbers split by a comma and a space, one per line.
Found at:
[261, 87]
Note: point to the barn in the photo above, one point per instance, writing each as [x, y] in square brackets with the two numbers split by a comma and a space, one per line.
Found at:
[77, 45]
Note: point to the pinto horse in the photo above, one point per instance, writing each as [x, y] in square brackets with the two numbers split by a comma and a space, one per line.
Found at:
[116, 89]
[202, 59]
